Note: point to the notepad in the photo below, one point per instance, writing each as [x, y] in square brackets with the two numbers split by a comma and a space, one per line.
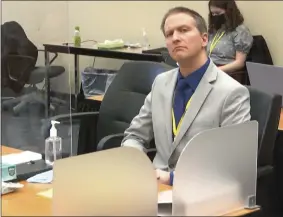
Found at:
[46, 177]
[19, 158]
[48, 193]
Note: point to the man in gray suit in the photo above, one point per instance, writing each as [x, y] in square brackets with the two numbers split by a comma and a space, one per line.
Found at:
[187, 100]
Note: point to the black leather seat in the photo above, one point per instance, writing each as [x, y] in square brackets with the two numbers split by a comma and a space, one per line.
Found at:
[19, 56]
[265, 109]
[122, 102]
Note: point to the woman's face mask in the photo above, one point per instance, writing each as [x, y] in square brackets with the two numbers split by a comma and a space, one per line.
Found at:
[218, 20]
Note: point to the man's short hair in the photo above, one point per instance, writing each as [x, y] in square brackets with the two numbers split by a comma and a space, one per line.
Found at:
[200, 21]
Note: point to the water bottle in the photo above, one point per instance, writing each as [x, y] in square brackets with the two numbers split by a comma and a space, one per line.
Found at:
[77, 37]
[145, 44]
[53, 145]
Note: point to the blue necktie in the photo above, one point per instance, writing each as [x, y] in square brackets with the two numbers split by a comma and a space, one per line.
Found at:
[180, 100]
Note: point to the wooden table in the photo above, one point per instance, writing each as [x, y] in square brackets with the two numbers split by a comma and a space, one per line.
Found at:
[96, 98]
[26, 202]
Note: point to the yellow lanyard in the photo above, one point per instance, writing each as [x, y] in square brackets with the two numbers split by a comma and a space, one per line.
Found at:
[177, 129]
[215, 40]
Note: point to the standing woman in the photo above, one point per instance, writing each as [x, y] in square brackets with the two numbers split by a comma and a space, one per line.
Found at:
[229, 39]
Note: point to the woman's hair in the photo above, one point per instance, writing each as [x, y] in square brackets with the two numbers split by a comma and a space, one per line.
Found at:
[234, 18]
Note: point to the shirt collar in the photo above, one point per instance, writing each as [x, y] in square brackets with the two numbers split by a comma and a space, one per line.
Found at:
[194, 78]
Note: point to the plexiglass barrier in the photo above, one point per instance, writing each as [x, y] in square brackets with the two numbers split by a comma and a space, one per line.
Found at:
[217, 171]
[36, 82]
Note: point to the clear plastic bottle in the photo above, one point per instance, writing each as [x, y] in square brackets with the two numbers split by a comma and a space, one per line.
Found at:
[145, 44]
[77, 37]
[53, 146]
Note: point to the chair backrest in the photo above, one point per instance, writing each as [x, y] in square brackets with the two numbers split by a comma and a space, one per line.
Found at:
[18, 56]
[125, 96]
[259, 52]
[265, 109]
[168, 59]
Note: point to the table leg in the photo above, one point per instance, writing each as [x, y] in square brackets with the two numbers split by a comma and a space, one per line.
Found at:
[47, 85]
[77, 69]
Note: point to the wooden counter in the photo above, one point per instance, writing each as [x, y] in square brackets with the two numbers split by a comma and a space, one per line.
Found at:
[26, 202]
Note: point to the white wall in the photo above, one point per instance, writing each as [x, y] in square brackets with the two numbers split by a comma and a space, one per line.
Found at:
[54, 21]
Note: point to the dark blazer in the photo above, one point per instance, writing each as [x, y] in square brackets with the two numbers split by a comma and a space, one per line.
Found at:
[259, 52]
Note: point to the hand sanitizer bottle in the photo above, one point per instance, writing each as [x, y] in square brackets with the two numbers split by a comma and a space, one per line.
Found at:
[53, 145]
[77, 37]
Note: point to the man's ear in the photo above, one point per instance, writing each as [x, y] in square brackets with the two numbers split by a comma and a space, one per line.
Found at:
[204, 39]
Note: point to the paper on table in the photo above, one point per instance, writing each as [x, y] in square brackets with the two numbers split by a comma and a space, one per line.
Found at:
[45, 177]
[48, 193]
[165, 197]
[19, 158]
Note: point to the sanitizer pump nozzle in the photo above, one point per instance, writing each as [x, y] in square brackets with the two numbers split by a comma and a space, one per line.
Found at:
[53, 130]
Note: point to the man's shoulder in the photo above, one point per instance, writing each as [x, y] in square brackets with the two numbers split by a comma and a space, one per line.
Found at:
[167, 75]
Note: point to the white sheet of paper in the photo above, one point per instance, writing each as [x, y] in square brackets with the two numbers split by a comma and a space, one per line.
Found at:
[19, 158]
[165, 197]
[45, 177]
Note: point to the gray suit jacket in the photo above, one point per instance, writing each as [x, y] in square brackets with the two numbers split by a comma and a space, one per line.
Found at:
[219, 100]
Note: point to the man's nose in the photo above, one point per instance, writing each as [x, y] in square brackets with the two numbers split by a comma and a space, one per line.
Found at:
[175, 36]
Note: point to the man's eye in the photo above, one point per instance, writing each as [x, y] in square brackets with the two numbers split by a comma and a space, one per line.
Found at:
[184, 30]
[168, 34]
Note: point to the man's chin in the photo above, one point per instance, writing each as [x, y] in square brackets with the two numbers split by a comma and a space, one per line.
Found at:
[183, 57]
[180, 58]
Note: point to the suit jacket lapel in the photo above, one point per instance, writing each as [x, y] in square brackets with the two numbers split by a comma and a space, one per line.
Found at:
[197, 101]
[168, 100]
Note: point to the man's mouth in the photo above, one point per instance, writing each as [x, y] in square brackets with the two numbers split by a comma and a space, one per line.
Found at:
[178, 48]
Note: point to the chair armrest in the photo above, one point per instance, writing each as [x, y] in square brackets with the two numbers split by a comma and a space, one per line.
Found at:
[115, 140]
[111, 141]
[55, 55]
[151, 150]
[76, 116]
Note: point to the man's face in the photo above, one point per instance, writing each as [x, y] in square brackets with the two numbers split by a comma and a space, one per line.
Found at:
[183, 39]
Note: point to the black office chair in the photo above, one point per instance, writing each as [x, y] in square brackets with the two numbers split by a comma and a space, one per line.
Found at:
[259, 53]
[19, 56]
[265, 109]
[122, 102]
[278, 174]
